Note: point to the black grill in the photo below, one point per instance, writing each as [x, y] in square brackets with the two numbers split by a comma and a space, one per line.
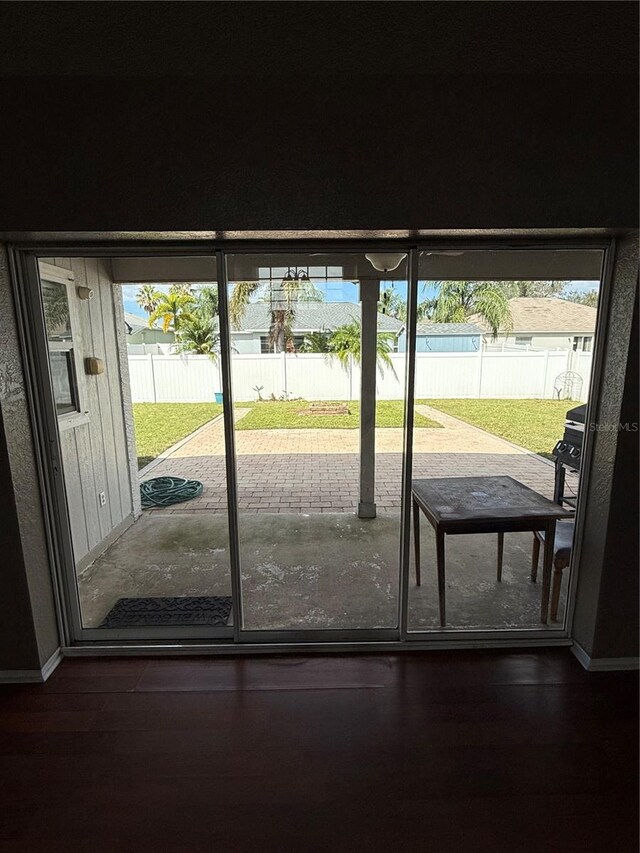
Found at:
[568, 450]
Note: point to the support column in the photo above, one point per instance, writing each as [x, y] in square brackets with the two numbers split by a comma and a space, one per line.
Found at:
[369, 296]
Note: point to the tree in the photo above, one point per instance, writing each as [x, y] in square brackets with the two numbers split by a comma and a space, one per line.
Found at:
[295, 287]
[182, 287]
[198, 335]
[392, 304]
[531, 288]
[589, 298]
[148, 297]
[207, 300]
[316, 342]
[345, 342]
[173, 308]
[456, 301]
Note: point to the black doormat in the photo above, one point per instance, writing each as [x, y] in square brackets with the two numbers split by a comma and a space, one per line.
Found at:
[211, 610]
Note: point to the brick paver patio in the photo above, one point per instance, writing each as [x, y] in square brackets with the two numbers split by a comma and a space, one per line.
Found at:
[317, 470]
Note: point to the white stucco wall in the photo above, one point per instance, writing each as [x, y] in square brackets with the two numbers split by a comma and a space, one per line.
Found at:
[557, 340]
[245, 343]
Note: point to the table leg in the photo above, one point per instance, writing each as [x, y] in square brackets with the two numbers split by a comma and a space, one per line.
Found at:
[555, 592]
[441, 576]
[416, 539]
[535, 558]
[547, 565]
[500, 553]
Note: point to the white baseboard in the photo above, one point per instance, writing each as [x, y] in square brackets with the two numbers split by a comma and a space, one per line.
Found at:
[31, 676]
[604, 664]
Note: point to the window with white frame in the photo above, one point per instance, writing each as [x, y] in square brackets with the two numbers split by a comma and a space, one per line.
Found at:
[523, 340]
[582, 343]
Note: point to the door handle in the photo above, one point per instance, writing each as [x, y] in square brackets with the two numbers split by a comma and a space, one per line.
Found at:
[53, 456]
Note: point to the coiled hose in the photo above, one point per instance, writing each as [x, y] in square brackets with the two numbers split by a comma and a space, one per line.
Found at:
[164, 491]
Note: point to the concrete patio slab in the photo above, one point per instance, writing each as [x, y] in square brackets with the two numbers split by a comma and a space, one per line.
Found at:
[314, 571]
[307, 561]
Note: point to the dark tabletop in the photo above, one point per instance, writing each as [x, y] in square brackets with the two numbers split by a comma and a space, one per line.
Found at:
[476, 498]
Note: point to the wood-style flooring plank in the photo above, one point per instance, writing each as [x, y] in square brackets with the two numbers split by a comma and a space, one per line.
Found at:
[473, 751]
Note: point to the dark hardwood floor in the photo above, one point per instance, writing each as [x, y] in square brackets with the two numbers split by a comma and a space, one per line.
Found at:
[442, 751]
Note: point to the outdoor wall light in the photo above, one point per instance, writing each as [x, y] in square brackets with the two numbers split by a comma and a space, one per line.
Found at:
[84, 292]
[385, 262]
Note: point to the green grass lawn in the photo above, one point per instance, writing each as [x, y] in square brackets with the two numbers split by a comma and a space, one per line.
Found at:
[534, 424]
[159, 425]
[277, 415]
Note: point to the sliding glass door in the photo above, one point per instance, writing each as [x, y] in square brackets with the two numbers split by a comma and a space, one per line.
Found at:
[502, 358]
[129, 361]
[317, 376]
[310, 446]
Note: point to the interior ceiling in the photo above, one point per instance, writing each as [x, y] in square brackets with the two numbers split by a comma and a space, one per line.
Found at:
[340, 38]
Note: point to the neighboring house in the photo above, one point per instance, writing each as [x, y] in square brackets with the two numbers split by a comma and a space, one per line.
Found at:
[253, 336]
[444, 337]
[545, 322]
[139, 331]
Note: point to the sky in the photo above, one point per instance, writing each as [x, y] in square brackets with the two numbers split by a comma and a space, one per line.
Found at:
[338, 292]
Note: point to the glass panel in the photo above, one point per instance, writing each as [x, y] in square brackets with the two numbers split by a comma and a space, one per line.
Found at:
[162, 568]
[493, 463]
[55, 301]
[62, 378]
[318, 503]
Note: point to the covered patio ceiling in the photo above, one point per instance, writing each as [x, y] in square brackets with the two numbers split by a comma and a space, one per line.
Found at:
[437, 265]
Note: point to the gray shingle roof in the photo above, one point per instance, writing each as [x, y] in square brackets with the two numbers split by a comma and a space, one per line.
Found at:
[548, 314]
[447, 329]
[313, 317]
[135, 322]
[138, 323]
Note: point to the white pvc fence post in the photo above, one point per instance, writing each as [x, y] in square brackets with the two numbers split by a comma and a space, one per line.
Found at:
[284, 374]
[544, 375]
[350, 369]
[153, 378]
[480, 358]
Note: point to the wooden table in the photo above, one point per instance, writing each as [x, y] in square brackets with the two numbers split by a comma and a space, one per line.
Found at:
[499, 505]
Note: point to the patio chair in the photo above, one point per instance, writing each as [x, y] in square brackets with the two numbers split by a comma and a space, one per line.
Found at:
[562, 545]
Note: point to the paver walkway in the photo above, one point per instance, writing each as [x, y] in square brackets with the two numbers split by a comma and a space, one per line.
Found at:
[317, 470]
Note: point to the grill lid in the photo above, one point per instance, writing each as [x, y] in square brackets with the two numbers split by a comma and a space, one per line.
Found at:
[579, 414]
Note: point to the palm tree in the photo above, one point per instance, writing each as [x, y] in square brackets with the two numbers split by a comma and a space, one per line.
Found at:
[345, 341]
[282, 299]
[392, 304]
[198, 335]
[148, 297]
[208, 301]
[181, 287]
[173, 308]
[456, 301]
[317, 342]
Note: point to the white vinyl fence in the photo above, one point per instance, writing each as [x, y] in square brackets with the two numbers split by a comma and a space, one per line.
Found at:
[195, 378]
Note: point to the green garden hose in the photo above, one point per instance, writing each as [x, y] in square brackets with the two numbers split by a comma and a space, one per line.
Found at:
[164, 491]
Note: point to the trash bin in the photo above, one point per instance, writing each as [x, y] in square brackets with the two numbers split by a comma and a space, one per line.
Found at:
[218, 396]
